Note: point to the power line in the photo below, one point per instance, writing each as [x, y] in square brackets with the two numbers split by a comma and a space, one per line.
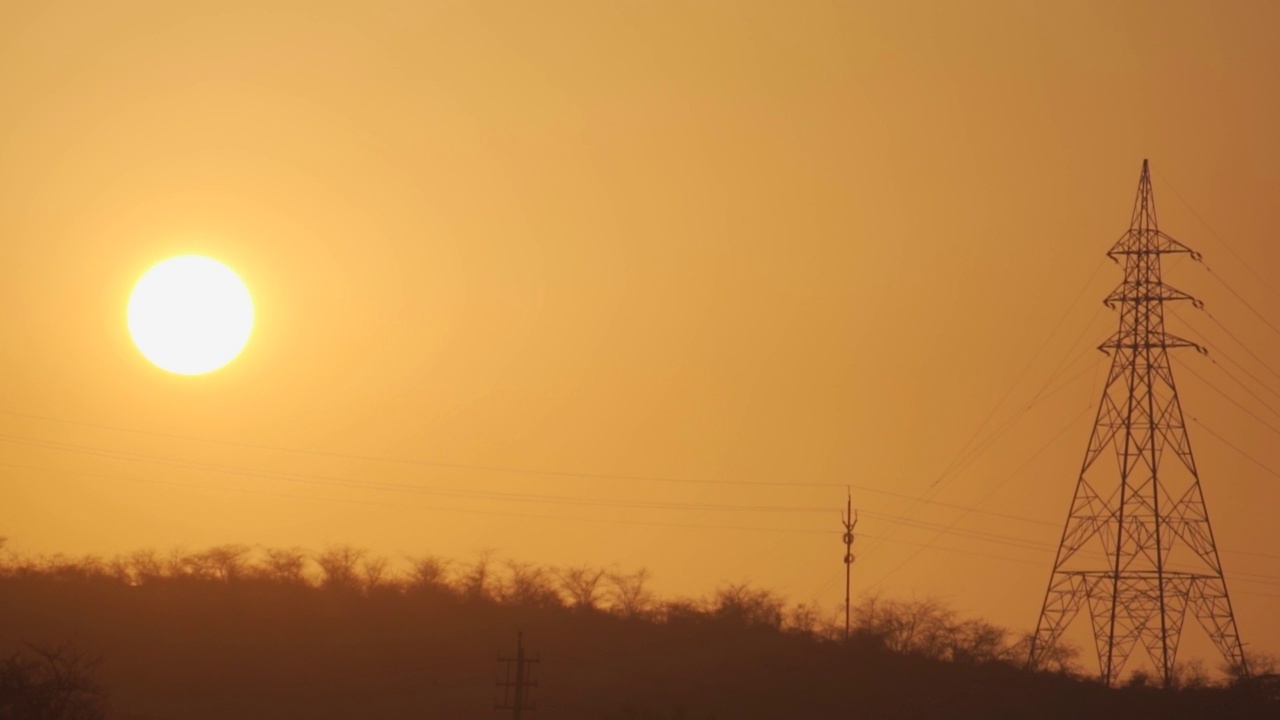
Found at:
[1017, 380]
[1040, 396]
[375, 503]
[402, 487]
[991, 492]
[1237, 448]
[139, 457]
[963, 456]
[935, 488]
[230, 470]
[1016, 543]
[1243, 346]
[1248, 266]
[1230, 399]
[1239, 297]
[1219, 351]
[1012, 542]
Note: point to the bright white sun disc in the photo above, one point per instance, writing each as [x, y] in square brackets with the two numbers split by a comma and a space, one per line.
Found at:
[190, 315]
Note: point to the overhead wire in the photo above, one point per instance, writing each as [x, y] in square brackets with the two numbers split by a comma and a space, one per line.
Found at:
[1243, 346]
[991, 492]
[988, 442]
[1009, 541]
[1230, 399]
[1218, 351]
[401, 487]
[1214, 233]
[1240, 297]
[961, 454]
[1243, 453]
[474, 467]
[541, 499]
[1018, 379]
[950, 530]
[1040, 396]
[376, 503]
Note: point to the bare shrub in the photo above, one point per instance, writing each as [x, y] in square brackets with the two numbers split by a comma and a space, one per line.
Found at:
[1190, 674]
[287, 566]
[430, 573]
[54, 683]
[629, 594]
[476, 583]
[224, 563]
[146, 566]
[527, 585]
[373, 573]
[974, 641]
[682, 610]
[582, 584]
[1257, 664]
[922, 627]
[1061, 657]
[803, 619]
[745, 606]
[340, 567]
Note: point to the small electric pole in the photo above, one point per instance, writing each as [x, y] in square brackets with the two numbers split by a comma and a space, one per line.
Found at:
[850, 520]
[515, 691]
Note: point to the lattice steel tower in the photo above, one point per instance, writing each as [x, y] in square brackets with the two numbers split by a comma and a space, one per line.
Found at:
[1137, 551]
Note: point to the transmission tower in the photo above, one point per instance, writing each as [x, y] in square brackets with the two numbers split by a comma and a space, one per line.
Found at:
[517, 683]
[1137, 552]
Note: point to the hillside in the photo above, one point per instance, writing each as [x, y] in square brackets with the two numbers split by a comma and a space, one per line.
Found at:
[236, 633]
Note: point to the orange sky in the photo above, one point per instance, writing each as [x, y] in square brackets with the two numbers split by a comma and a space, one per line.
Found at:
[736, 242]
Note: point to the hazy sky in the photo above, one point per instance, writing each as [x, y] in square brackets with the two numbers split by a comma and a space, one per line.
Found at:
[773, 248]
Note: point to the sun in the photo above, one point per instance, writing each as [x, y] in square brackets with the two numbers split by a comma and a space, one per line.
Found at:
[190, 315]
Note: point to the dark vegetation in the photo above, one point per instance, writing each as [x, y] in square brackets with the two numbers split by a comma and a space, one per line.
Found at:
[50, 683]
[233, 632]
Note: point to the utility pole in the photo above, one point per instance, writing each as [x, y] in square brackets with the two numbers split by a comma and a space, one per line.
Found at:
[850, 520]
[1137, 552]
[515, 690]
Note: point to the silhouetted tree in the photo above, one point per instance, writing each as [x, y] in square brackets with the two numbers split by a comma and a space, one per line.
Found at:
[1062, 658]
[430, 575]
[630, 593]
[582, 585]
[287, 566]
[476, 583]
[978, 641]
[340, 567]
[50, 684]
[373, 573]
[922, 627]
[803, 619]
[744, 606]
[682, 610]
[145, 566]
[527, 585]
[1190, 674]
[224, 563]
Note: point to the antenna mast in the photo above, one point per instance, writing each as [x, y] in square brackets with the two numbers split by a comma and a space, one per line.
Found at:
[850, 520]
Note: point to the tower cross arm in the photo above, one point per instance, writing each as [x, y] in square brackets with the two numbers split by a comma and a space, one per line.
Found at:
[1141, 241]
[1125, 341]
[1148, 292]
